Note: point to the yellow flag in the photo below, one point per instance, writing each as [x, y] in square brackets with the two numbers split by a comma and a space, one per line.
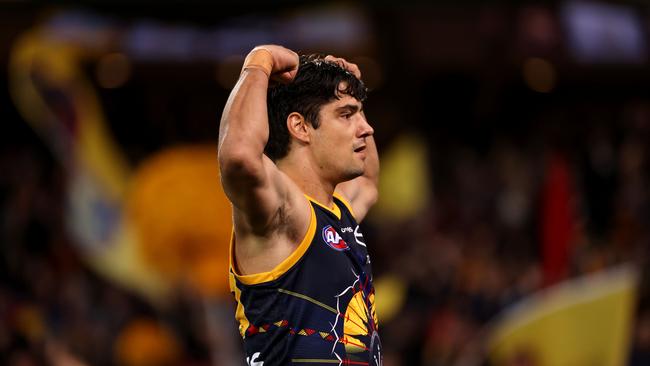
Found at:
[404, 179]
[581, 322]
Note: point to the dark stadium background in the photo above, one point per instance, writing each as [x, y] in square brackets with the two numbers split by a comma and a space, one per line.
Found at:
[500, 95]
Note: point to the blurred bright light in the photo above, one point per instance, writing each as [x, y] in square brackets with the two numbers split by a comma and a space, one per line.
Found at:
[340, 28]
[604, 33]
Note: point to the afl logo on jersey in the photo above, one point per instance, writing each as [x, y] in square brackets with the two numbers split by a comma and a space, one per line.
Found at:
[333, 239]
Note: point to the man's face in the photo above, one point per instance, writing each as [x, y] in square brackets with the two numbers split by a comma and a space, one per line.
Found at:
[339, 143]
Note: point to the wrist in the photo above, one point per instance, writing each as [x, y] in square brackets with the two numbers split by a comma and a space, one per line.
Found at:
[260, 59]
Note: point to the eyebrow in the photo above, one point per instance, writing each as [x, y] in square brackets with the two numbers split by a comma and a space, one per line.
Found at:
[353, 108]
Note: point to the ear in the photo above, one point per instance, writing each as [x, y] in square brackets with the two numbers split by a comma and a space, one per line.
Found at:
[297, 127]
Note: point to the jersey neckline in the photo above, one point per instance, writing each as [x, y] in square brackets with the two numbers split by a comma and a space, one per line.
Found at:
[336, 211]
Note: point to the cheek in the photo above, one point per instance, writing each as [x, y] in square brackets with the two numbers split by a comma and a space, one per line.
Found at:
[325, 147]
[332, 142]
[326, 137]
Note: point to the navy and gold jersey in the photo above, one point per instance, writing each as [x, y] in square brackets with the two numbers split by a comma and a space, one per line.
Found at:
[317, 307]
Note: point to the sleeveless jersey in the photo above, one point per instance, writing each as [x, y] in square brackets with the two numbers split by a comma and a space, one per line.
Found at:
[317, 307]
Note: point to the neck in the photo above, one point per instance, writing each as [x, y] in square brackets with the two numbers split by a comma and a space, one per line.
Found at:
[306, 176]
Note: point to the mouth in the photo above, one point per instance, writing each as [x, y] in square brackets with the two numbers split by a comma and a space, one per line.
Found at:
[360, 148]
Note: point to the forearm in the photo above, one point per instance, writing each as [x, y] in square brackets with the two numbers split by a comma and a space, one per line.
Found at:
[371, 172]
[244, 124]
[368, 189]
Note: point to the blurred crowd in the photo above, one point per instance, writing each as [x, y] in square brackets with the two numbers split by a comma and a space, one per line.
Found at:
[55, 310]
[479, 245]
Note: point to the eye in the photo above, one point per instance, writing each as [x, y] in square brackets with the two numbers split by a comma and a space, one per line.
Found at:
[347, 115]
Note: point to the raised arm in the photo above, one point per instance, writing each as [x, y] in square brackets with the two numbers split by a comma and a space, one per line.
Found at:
[251, 181]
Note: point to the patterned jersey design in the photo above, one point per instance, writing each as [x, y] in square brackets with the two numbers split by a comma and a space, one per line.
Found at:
[319, 307]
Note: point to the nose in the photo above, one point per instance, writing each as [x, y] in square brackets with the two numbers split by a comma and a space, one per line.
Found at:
[365, 129]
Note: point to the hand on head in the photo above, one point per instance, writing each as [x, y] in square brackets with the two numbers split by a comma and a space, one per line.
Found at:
[349, 66]
[279, 63]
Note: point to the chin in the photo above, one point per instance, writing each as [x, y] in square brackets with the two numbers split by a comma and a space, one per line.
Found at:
[351, 174]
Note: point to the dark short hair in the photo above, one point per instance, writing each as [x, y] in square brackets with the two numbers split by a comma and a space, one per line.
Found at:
[316, 83]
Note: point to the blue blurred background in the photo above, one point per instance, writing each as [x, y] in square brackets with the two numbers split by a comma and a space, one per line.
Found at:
[514, 140]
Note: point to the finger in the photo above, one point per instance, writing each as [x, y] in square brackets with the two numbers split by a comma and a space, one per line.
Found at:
[354, 69]
[337, 60]
[351, 67]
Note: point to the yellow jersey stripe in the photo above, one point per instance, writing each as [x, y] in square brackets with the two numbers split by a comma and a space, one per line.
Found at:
[305, 297]
[282, 268]
[345, 202]
[335, 210]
